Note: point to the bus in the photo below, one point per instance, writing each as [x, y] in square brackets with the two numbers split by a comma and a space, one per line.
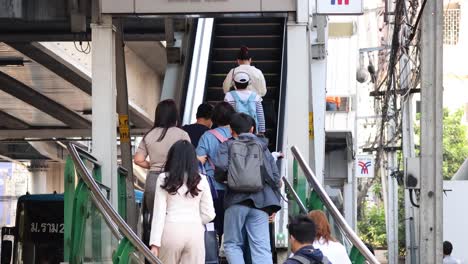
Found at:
[39, 232]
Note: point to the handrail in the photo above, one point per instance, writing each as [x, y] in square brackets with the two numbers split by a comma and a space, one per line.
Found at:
[85, 154]
[294, 194]
[105, 207]
[282, 87]
[341, 222]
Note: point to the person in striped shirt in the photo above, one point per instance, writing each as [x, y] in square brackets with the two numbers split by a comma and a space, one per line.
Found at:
[246, 101]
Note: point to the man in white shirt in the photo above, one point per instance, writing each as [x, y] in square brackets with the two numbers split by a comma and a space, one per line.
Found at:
[448, 259]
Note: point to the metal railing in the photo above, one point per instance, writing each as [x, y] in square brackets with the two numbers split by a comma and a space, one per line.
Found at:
[296, 198]
[104, 206]
[339, 219]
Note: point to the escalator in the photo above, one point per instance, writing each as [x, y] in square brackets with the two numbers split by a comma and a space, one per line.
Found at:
[265, 38]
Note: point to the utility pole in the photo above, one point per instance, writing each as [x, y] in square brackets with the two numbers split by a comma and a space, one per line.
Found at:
[408, 152]
[124, 125]
[392, 210]
[431, 213]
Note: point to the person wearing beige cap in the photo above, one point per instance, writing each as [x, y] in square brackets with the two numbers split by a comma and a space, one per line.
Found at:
[257, 82]
[246, 101]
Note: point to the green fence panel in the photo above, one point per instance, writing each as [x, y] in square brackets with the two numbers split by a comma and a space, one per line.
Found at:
[299, 185]
[314, 202]
[80, 214]
[356, 256]
[69, 196]
[122, 254]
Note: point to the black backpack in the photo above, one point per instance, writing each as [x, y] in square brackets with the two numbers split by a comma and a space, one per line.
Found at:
[245, 169]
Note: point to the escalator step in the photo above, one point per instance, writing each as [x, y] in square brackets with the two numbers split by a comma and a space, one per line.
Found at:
[249, 20]
[241, 29]
[263, 65]
[230, 54]
[260, 41]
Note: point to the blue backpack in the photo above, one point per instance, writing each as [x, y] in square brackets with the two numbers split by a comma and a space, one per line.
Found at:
[247, 107]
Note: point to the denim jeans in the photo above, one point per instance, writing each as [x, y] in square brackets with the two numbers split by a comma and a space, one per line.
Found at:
[255, 222]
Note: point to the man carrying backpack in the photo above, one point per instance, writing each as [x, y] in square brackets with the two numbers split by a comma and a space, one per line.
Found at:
[252, 193]
[301, 236]
[246, 101]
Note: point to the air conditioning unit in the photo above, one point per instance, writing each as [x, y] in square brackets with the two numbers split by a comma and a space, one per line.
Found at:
[412, 173]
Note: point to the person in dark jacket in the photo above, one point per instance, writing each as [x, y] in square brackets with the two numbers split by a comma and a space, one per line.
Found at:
[203, 124]
[248, 211]
[301, 236]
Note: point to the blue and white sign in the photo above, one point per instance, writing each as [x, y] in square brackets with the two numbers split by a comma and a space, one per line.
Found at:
[365, 166]
[339, 7]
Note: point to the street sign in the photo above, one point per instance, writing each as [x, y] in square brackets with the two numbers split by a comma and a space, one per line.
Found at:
[339, 7]
[365, 166]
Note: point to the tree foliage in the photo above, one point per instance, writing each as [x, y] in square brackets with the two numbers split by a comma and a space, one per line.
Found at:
[455, 143]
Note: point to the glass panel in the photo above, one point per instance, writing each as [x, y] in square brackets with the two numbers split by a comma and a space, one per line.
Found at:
[313, 202]
[136, 258]
[99, 242]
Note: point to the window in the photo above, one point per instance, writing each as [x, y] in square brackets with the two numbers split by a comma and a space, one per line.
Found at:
[451, 25]
[338, 104]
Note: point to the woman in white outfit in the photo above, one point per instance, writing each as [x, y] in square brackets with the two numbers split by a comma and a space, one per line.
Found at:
[335, 252]
[257, 80]
[182, 206]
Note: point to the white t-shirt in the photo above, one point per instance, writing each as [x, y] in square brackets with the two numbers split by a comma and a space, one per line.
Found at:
[451, 260]
[334, 251]
[257, 80]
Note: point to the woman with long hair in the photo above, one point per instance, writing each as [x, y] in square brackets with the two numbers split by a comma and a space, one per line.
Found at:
[182, 205]
[156, 144]
[257, 81]
[324, 241]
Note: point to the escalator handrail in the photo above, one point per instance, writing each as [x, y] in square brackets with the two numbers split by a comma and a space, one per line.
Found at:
[106, 207]
[340, 221]
[295, 195]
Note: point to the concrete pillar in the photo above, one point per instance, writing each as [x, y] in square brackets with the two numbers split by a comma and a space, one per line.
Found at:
[297, 92]
[318, 69]
[173, 77]
[104, 120]
[38, 183]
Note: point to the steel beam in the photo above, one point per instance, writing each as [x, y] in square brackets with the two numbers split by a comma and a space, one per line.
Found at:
[63, 68]
[30, 96]
[10, 121]
[51, 133]
[73, 74]
[25, 37]
[50, 149]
